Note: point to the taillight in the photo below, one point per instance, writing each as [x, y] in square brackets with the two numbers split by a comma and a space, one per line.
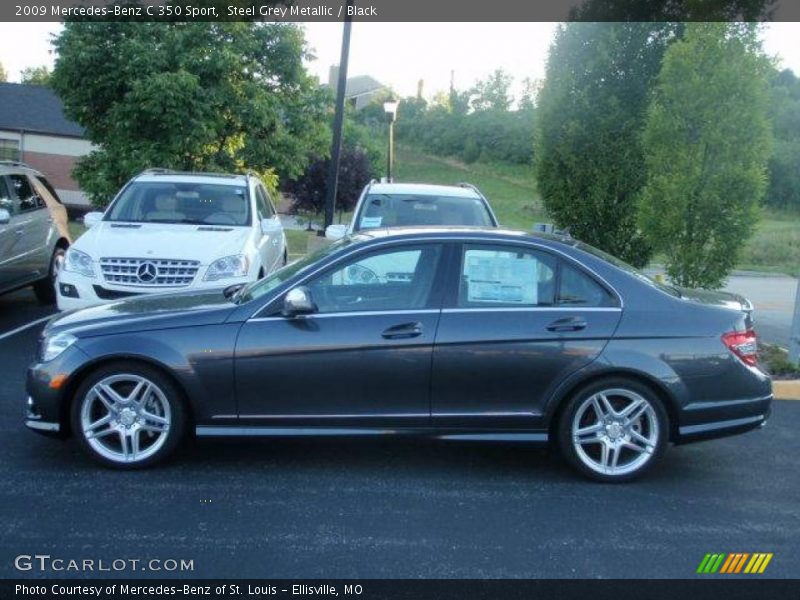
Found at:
[743, 344]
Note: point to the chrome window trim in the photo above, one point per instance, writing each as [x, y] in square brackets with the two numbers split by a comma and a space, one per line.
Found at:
[355, 313]
[446, 239]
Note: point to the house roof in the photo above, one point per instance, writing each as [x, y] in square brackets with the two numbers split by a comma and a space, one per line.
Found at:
[361, 84]
[34, 109]
[358, 85]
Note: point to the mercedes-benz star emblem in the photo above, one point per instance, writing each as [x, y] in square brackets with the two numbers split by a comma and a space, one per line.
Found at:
[147, 272]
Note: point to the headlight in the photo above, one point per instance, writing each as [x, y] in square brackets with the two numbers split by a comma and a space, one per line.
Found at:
[230, 266]
[79, 262]
[55, 345]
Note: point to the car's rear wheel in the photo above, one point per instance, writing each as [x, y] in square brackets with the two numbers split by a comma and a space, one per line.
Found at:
[613, 430]
[45, 290]
[128, 416]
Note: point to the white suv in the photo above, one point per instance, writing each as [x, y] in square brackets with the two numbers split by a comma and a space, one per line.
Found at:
[383, 205]
[168, 231]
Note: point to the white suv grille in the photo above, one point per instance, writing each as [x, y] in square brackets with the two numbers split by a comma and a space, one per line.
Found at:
[149, 272]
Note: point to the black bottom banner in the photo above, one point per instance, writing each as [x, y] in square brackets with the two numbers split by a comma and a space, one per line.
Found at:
[417, 589]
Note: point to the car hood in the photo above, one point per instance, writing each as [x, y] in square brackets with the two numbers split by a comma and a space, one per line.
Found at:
[205, 243]
[152, 311]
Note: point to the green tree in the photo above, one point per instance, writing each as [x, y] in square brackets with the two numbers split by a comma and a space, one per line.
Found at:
[784, 166]
[493, 93]
[3, 74]
[591, 109]
[35, 75]
[530, 90]
[707, 142]
[194, 96]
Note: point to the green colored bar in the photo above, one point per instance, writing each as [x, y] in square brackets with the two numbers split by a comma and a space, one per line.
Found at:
[701, 568]
[718, 564]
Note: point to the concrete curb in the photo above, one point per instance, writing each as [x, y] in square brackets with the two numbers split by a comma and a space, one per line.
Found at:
[786, 390]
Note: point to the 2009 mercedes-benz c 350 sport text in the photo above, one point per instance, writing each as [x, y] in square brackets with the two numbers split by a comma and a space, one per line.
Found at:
[455, 333]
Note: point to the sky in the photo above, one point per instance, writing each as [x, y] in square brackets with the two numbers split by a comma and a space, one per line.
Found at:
[400, 54]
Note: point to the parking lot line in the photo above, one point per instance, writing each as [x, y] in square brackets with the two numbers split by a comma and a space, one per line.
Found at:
[24, 327]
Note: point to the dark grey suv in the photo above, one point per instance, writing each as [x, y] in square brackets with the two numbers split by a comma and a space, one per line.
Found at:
[459, 334]
[33, 231]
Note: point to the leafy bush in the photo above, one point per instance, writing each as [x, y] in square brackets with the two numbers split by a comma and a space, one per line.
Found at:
[707, 142]
[310, 189]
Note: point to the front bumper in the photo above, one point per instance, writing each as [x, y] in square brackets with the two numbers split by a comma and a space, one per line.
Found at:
[48, 385]
[74, 291]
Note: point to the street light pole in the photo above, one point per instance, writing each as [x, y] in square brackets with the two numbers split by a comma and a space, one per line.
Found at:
[338, 123]
[389, 157]
[390, 108]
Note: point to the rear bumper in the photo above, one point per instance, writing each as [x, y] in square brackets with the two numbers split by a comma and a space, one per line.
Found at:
[709, 420]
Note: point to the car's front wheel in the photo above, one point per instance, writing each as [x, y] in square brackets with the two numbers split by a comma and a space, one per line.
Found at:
[128, 416]
[613, 430]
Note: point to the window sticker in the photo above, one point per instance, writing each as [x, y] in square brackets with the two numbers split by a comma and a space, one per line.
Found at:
[367, 222]
[501, 279]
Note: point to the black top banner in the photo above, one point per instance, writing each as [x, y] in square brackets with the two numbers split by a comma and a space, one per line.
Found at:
[401, 10]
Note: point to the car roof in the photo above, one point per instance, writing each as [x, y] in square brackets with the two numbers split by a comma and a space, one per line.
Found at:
[164, 176]
[424, 189]
[9, 167]
[461, 232]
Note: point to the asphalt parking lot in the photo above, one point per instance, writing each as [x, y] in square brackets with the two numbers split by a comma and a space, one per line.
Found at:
[320, 509]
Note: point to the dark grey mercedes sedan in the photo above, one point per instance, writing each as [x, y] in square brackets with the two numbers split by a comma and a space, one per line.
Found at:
[459, 334]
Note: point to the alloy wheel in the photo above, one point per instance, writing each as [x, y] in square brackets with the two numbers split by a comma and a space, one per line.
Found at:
[125, 418]
[615, 431]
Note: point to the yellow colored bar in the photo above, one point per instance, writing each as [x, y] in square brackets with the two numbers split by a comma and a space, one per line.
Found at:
[752, 563]
[728, 562]
[741, 562]
[765, 563]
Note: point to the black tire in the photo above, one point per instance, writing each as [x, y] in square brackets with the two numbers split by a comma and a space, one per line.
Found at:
[45, 290]
[652, 422]
[172, 433]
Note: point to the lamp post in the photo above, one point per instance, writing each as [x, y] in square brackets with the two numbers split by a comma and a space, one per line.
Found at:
[338, 124]
[390, 108]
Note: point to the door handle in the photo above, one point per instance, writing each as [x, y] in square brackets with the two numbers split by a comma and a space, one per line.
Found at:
[567, 324]
[19, 232]
[405, 330]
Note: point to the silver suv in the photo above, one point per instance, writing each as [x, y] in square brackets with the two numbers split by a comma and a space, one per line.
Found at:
[33, 231]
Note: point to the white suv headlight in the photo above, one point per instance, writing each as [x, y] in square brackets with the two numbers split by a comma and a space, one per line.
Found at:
[52, 346]
[79, 262]
[230, 266]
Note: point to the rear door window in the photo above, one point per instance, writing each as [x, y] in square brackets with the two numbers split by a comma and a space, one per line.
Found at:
[578, 289]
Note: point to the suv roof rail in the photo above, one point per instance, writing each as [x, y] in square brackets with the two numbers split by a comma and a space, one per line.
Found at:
[15, 163]
[469, 186]
[163, 171]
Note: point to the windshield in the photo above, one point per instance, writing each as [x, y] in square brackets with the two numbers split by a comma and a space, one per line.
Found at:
[191, 203]
[620, 264]
[269, 283]
[409, 210]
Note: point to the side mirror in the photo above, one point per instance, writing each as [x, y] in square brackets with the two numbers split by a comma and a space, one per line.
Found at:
[335, 232]
[5, 216]
[91, 219]
[298, 302]
[270, 226]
